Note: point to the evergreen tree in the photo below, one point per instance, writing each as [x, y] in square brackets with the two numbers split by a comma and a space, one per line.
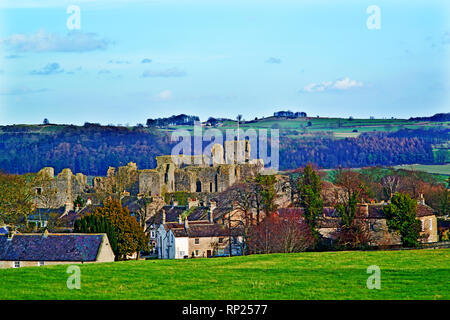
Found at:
[401, 218]
[129, 234]
[310, 197]
[97, 224]
[268, 193]
[347, 211]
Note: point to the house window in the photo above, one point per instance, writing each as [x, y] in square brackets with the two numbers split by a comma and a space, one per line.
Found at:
[16, 264]
[431, 224]
[197, 241]
[197, 252]
[423, 225]
[152, 234]
[220, 252]
[41, 263]
[220, 240]
[38, 191]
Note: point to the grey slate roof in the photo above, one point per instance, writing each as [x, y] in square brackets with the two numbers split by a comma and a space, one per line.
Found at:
[172, 213]
[200, 231]
[54, 247]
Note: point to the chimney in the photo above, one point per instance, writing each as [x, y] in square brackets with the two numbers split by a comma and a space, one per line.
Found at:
[364, 209]
[211, 216]
[164, 216]
[212, 205]
[10, 234]
[186, 223]
[421, 199]
[192, 202]
[68, 207]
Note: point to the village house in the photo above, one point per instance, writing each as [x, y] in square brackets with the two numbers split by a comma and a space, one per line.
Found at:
[192, 232]
[197, 240]
[27, 250]
[373, 216]
[380, 234]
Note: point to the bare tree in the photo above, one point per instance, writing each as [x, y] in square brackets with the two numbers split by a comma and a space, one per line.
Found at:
[390, 184]
[286, 234]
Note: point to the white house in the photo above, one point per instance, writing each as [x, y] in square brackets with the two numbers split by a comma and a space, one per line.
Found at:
[199, 239]
[171, 243]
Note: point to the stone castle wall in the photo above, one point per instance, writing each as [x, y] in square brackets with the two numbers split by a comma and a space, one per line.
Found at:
[192, 174]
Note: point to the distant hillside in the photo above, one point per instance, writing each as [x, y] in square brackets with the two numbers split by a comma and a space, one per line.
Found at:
[440, 117]
[92, 148]
[89, 149]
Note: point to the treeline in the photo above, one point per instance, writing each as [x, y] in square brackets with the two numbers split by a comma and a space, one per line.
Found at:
[437, 117]
[175, 120]
[92, 148]
[369, 149]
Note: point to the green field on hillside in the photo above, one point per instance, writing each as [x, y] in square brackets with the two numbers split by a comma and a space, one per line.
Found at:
[340, 127]
[300, 127]
[443, 169]
[408, 274]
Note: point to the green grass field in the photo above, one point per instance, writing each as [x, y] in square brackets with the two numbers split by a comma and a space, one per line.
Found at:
[443, 169]
[408, 274]
[302, 127]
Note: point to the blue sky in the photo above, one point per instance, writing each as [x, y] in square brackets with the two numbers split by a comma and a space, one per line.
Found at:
[136, 59]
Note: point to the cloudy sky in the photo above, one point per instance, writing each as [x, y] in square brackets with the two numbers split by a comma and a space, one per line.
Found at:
[131, 60]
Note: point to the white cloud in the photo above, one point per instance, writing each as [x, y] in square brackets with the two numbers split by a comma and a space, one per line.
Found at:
[41, 41]
[346, 83]
[15, 91]
[50, 68]
[119, 62]
[273, 60]
[164, 95]
[104, 71]
[62, 3]
[168, 73]
[340, 84]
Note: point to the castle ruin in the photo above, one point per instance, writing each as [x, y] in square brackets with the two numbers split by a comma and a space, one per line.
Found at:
[198, 174]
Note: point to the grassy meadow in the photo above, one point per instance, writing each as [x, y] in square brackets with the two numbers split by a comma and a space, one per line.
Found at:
[339, 127]
[435, 169]
[408, 274]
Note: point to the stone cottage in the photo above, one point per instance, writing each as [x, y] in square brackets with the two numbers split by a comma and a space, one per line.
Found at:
[27, 250]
